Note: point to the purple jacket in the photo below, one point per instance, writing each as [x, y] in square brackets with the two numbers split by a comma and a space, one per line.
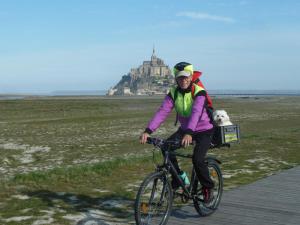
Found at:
[198, 121]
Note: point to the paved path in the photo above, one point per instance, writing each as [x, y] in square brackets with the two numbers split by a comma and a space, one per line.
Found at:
[273, 200]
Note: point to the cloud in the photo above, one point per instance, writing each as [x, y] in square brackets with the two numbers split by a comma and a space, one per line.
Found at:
[205, 16]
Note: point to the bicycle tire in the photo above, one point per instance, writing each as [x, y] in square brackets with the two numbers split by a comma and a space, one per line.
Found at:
[205, 209]
[160, 196]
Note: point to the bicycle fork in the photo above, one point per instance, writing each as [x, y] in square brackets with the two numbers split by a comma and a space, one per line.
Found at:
[150, 202]
[154, 187]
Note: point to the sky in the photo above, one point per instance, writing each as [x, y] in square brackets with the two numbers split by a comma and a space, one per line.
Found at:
[75, 45]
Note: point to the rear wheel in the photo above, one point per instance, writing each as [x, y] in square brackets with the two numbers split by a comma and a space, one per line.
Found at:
[154, 200]
[205, 209]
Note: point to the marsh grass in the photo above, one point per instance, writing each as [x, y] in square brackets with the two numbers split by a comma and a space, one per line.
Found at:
[95, 164]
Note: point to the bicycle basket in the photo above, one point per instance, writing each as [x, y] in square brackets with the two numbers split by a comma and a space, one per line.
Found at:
[226, 135]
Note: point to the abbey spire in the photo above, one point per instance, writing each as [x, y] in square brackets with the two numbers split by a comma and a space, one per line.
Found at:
[153, 57]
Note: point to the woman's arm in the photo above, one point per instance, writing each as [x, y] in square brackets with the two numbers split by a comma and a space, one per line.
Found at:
[161, 114]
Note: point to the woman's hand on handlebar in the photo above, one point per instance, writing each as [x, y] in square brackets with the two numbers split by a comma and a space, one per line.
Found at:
[143, 137]
[186, 140]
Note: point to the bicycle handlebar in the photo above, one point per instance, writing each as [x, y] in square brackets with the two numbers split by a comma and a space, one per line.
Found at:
[159, 142]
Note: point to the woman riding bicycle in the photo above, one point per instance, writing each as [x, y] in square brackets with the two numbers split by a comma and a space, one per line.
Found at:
[190, 103]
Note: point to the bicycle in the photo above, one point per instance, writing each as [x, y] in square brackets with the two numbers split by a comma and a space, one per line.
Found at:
[155, 196]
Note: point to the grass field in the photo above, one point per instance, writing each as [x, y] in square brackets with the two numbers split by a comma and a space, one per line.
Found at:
[71, 160]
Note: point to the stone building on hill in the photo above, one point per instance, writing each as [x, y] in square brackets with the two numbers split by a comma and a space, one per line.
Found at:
[152, 77]
[155, 68]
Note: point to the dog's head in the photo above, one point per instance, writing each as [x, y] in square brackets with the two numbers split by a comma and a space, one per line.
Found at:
[221, 117]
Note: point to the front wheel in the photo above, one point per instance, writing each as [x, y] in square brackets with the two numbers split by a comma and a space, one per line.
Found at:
[154, 200]
[205, 209]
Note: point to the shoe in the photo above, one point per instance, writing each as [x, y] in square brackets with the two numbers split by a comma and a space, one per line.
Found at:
[208, 195]
[185, 179]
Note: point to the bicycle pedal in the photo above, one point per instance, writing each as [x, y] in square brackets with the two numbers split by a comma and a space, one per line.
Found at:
[184, 198]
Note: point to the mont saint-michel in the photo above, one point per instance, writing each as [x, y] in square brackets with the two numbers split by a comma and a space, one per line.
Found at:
[150, 78]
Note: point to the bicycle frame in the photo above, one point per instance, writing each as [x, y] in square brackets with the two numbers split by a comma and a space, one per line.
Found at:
[169, 167]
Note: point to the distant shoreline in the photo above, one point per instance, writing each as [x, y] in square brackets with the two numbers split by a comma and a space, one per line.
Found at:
[227, 95]
[102, 93]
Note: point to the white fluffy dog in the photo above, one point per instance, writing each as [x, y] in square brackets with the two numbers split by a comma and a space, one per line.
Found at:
[221, 118]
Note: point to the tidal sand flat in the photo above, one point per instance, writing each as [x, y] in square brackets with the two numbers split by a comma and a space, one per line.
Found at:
[72, 159]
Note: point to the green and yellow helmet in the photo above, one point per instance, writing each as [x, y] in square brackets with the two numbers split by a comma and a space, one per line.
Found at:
[183, 69]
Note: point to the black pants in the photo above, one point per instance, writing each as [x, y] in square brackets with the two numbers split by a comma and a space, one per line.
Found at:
[203, 140]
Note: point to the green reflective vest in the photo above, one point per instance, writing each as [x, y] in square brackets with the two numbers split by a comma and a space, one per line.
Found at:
[184, 102]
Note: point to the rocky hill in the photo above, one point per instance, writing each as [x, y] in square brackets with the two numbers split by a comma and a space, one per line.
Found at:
[152, 77]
